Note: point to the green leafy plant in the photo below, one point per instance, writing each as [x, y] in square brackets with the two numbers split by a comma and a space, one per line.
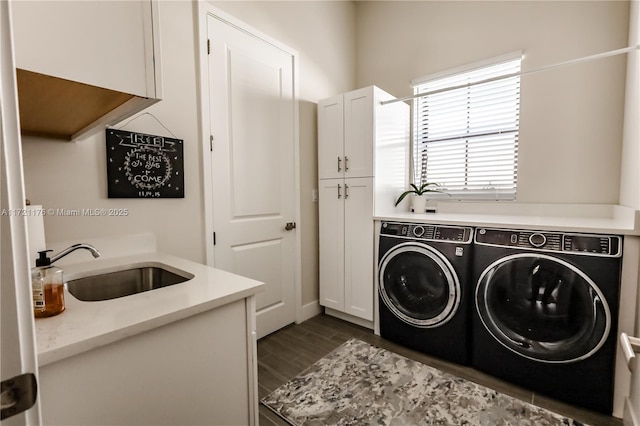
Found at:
[425, 187]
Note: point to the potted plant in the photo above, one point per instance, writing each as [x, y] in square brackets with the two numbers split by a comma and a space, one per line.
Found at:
[418, 200]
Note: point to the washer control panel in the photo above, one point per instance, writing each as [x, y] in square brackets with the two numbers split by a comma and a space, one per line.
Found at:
[589, 244]
[454, 234]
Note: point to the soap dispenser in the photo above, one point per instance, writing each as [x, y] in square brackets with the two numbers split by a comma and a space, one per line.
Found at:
[48, 287]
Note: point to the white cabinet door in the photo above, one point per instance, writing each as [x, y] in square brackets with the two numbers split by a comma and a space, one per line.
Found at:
[102, 43]
[358, 133]
[358, 247]
[331, 218]
[330, 138]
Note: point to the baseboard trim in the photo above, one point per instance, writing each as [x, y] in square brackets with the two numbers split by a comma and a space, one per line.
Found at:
[309, 311]
[313, 309]
[346, 317]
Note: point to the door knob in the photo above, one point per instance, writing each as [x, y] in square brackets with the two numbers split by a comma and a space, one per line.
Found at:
[289, 226]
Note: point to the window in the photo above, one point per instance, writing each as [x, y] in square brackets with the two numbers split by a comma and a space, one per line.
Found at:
[466, 130]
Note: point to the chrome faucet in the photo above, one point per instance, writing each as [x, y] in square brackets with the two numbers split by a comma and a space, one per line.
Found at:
[94, 251]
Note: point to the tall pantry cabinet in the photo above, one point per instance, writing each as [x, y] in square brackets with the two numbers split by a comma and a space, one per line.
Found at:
[354, 129]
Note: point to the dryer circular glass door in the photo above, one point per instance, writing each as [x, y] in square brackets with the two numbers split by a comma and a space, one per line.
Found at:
[419, 285]
[542, 308]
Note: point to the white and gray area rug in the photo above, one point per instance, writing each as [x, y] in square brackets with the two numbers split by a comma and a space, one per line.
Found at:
[360, 384]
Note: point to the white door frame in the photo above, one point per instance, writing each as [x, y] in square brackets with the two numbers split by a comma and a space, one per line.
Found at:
[207, 10]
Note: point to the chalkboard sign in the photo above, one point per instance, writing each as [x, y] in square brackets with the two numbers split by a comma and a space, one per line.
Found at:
[144, 166]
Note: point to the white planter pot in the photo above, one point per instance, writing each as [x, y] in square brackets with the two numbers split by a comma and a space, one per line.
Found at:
[418, 203]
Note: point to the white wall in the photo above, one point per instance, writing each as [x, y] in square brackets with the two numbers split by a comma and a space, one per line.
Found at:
[571, 119]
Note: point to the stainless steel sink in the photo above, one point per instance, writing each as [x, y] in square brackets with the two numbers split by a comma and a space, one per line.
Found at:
[111, 285]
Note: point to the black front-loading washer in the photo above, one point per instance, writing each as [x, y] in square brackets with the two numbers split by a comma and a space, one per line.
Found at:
[545, 312]
[424, 288]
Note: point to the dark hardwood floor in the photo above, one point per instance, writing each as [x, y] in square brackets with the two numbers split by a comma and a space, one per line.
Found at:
[287, 352]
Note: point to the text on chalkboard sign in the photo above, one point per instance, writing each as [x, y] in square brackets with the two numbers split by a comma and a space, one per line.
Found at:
[144, 166]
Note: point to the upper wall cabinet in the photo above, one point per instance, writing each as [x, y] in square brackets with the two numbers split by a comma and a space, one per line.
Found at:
[345, 135]
[84, 64]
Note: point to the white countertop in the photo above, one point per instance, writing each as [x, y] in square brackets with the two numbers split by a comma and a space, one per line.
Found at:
[86, 325]
[589, 219]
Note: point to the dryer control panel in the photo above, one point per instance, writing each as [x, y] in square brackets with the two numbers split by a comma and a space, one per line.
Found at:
[454, 234]
[588, 244]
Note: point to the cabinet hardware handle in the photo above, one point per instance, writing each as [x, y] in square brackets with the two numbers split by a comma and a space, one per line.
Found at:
[339, 163]
[346, 163]
[346, 191]
[339, 195]
[630, 347]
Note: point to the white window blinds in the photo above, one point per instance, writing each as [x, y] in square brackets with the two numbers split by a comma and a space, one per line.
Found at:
[466, 138]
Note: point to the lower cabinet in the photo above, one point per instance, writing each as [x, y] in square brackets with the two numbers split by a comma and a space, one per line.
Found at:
[200, 370]
[347, 246]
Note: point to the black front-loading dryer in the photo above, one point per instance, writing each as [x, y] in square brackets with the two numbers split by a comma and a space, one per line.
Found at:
[545, 312]
[424, 292]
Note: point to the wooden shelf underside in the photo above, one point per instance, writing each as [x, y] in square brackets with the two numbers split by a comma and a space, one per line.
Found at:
[58, 108]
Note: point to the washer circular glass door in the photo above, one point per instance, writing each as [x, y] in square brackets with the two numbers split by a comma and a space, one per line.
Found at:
[418, 284]
[542, 308]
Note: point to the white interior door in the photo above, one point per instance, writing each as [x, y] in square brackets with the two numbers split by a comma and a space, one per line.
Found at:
[18, 353]
[253, 123]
